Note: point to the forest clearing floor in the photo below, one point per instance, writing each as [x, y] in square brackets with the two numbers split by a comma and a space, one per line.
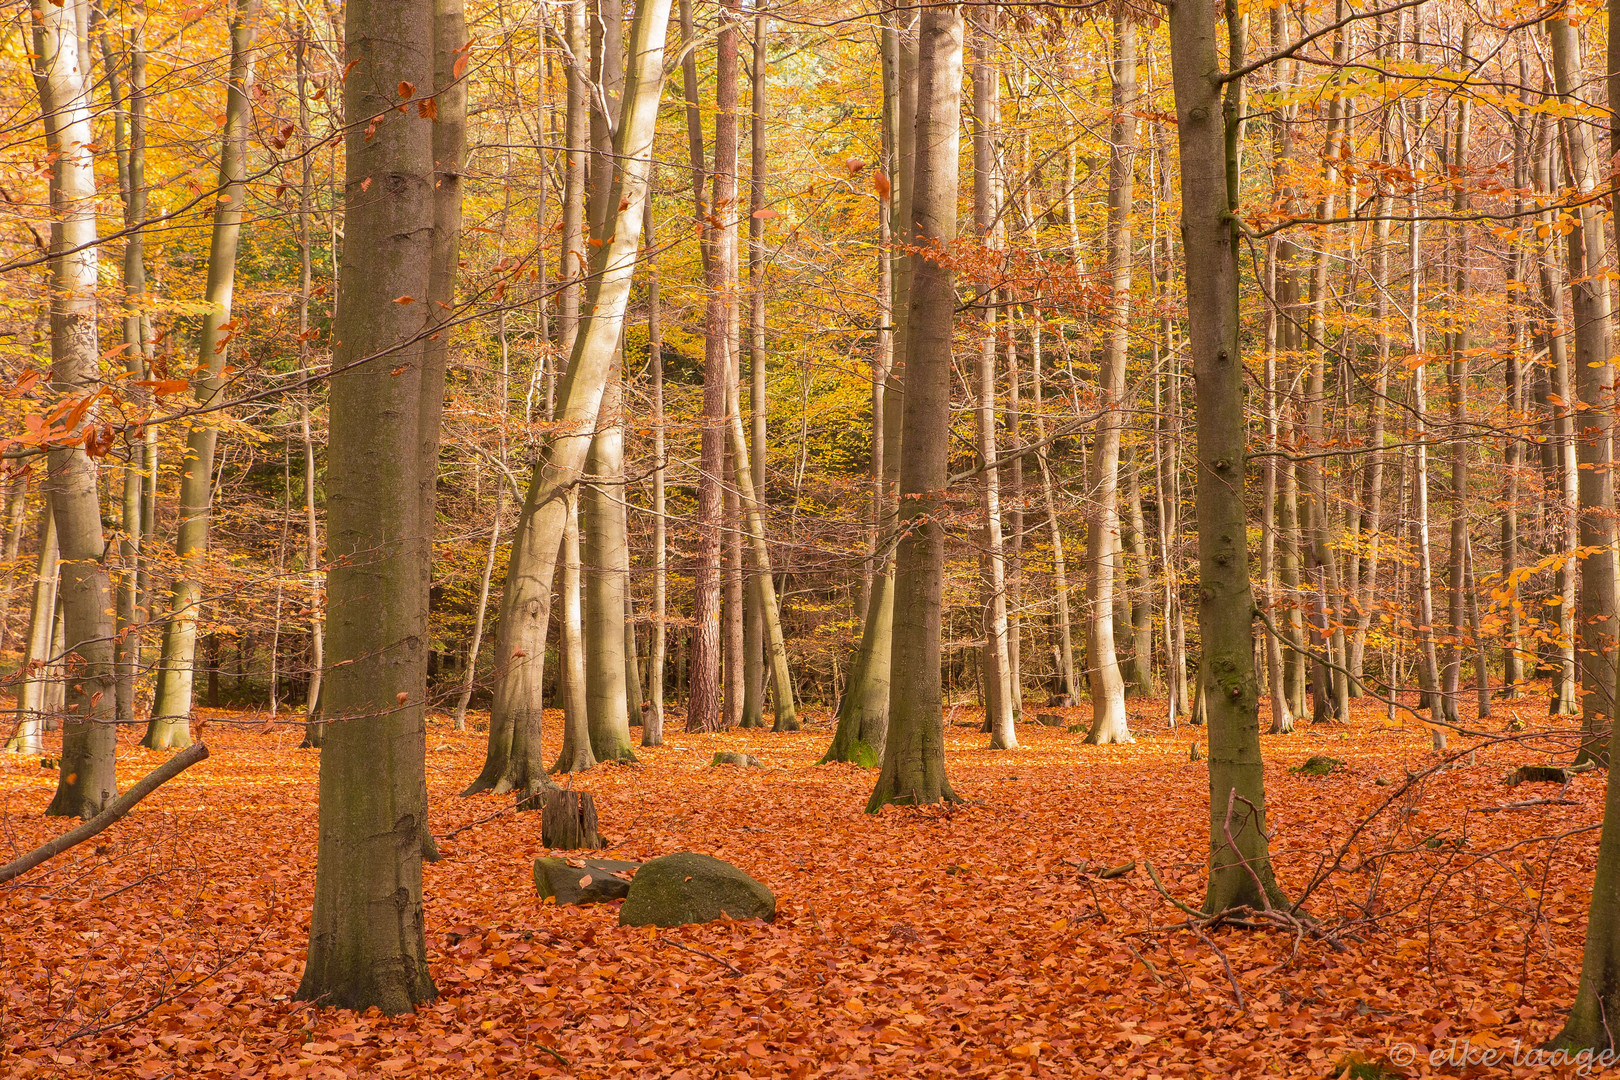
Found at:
[973, 940]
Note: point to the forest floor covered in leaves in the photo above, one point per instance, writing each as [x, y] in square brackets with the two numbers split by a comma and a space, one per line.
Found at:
[976, 940]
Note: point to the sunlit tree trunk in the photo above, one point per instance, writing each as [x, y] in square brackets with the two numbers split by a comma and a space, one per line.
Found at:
[987, 220]
[913, 770]
[1103, 547]
[652, 719]
[1208, 130]
[86, 781]
[863, 712]
[169, 726]
[537, 541]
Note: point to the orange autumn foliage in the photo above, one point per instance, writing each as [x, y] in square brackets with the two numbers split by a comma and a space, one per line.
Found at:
[974, 941]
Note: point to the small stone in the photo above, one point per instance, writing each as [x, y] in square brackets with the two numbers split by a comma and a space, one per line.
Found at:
[1320, 765]
[595, 881]
[729, 757]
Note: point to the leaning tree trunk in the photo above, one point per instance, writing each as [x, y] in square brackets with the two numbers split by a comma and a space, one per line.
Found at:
[913, 770]
[367, 944]
[526, 599]
[1208, 132]
[1103, 548]
[169, 726]
[86, 781]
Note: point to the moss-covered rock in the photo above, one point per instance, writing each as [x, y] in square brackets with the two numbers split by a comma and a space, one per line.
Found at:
[730, 757]
[1320, 765]
[686, 887]
[595, 881]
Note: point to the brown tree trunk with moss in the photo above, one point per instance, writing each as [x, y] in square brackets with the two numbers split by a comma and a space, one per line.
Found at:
[913, 770]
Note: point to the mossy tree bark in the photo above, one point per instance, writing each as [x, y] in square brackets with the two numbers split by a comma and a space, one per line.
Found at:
[913, 770]
[170, 723]
[863, 712]
[1208, 131]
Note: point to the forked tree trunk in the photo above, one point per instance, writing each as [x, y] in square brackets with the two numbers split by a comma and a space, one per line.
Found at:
[1103, 548]
[1208, 133]
[913, 770]
[170, 724]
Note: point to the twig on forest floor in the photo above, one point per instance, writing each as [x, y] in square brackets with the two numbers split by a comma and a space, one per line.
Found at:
[1151, 970]
[564, 1062]
[1227, 964]
[735, 970]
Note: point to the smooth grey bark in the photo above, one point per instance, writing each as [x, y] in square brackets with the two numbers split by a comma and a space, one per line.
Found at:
[526, 598]
[86, 780]
[170, 723]
[1103, 547]
[863, 712]
[1597, 1000]
[1208, 135]
[913, 770]
[306, 281]
[573, 681]
[652, 720]
[28, 737]
[1594, 390]
[988, 224]
[367, 944]
[16, 506]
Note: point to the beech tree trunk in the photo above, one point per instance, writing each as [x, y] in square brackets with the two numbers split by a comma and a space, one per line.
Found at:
[367, 943]
[1103, 547]
[86, 781]
[1208, 134]
[913, 770]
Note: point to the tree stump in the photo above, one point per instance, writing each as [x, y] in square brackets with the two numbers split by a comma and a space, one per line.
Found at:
[568, 820]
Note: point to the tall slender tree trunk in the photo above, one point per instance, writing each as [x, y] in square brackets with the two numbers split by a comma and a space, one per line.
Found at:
[758, 403]
[1597, 1000]
[913, 770]
[169, 726]
[652, 720]
[312, 538]
[1208, 130]
[987, 220]
[703, 706]
[1103, 547]
[1594, 390]
[537, 541]
[863, 713]
[86, 781]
